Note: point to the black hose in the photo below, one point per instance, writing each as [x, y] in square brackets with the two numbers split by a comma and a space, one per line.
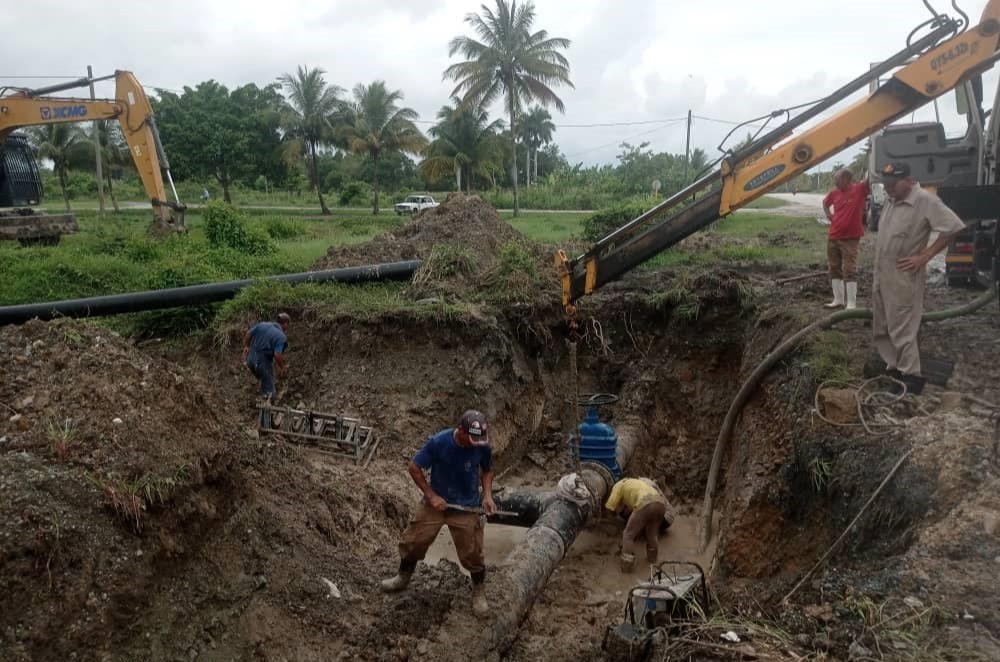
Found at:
[174, 297]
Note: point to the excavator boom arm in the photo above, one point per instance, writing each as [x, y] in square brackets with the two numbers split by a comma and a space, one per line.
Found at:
[134, 113]
[778, 158]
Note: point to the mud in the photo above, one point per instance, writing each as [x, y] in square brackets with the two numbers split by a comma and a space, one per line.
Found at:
[157, 525]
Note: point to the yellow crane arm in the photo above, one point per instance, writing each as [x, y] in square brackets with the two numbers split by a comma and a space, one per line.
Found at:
[781, 155]
[134, 113]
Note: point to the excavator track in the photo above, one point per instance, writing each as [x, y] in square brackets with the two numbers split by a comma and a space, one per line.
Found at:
[31, 228]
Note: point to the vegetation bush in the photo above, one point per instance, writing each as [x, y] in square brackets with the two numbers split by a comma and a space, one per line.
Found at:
[515, 276]
[355, 194]
[284, 228]
[228, 227]
[601, 223]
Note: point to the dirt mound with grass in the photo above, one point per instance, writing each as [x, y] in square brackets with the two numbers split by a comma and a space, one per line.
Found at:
[469, 253]
[142, 518]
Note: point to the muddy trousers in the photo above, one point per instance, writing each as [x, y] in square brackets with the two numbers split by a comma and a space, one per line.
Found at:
[842, 259]
[466, 531]
[644, 521]
[895, 327]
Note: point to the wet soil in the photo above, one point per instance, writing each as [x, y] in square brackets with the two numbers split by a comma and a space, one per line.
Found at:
[144, 518]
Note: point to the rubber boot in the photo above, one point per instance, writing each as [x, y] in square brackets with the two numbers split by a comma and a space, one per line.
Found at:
[838, 294]
[627, 563]
[480, 606]
[402, 578]
[652, 554]
[851, 288]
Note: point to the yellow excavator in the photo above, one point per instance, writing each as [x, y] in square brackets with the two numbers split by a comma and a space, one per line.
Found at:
[949, 54]
[19, 181]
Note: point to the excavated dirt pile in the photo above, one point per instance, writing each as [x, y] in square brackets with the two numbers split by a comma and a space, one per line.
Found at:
[468, 253]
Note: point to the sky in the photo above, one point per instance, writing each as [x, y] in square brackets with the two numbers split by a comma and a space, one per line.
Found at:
[635, 63]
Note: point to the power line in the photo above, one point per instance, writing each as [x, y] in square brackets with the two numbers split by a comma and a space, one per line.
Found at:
[596, 124]
[621, 140]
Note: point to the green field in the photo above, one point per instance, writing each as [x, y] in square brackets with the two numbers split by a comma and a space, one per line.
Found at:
[114, 254]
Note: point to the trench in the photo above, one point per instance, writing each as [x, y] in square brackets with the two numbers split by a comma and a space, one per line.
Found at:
[676, 379]
[232, 569]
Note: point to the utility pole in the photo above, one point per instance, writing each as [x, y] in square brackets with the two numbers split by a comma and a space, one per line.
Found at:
[687, 147]
[97, 147]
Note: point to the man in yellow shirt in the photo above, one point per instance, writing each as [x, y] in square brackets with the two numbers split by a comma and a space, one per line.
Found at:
[647, 510]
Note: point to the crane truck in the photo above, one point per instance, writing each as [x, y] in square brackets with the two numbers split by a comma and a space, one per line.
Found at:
[950, 54]
[20, 183]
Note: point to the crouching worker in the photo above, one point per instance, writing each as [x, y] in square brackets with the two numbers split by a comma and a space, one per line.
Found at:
[647, 513]
[460, 461]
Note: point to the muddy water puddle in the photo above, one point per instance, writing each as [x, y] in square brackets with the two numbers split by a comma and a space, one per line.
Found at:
[592, 561]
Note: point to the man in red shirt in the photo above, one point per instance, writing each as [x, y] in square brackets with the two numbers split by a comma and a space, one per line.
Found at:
[846, 229]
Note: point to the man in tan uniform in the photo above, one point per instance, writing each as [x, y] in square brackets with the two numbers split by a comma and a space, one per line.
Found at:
[901, 256]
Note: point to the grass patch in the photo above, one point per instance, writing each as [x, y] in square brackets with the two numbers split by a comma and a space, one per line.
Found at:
[330, 301]
[830, 358]
[548, 227]
[515, 277]
[693, 290]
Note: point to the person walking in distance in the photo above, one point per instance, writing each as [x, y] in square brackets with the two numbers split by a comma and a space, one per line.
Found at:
[902, 252]
[846, 229]
[460, 462]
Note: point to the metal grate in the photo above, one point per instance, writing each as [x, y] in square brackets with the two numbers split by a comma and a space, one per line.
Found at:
[331, 433]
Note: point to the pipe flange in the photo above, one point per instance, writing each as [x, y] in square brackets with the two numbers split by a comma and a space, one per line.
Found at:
[606, 476]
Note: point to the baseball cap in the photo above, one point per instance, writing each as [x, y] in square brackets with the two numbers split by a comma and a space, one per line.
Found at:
[474, 424]
[895, 171]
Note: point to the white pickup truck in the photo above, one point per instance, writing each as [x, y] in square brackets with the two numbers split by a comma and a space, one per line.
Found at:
[415, 203]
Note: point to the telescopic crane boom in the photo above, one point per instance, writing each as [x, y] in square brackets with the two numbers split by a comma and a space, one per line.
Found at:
[927, 68]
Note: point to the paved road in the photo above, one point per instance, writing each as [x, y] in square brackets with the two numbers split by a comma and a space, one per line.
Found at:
[799, 204]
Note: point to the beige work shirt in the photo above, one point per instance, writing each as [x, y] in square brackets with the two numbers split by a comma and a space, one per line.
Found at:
[904, 230]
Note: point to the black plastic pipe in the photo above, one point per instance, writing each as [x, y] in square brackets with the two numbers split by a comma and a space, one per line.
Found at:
[193, 295]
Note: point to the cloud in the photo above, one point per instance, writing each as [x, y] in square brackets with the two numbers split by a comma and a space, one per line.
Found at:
[631, 61]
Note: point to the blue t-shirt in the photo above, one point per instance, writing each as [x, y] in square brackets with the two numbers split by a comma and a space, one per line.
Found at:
[268, 338]
[454, 469]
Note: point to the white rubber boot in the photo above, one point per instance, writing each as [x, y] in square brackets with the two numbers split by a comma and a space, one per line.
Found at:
[397, 583]
[626, 563]
[852, 295]
[838, 294]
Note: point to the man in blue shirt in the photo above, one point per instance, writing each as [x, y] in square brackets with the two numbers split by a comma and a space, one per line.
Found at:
[460, 461]
[263, 346]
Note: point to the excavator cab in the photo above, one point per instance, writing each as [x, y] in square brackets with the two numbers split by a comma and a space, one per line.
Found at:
[20, 188]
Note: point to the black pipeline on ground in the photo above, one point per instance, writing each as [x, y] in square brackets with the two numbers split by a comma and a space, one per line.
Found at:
[133, 302]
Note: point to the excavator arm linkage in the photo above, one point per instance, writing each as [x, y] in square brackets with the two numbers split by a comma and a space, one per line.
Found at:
[134, 113]
[780, 156]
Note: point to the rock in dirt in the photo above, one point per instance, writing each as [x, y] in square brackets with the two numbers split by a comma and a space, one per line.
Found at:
[840, 405]
[858, 652]
[913, 602]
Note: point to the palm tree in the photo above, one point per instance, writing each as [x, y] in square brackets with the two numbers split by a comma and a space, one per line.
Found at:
[115, 155]
[312, 103]
[375, 125]
[537, 129]
[57, 142]
[466, 142]
[508, 61]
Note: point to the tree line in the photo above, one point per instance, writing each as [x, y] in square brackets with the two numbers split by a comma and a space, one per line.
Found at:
[303, 132]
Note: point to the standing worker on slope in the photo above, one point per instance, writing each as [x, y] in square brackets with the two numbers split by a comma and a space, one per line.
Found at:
[901, 256]
[846, 229]
[264, 345]
[460, 461]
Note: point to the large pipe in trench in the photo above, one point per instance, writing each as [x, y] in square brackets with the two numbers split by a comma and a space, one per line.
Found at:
[557, 521]
[192, 295]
